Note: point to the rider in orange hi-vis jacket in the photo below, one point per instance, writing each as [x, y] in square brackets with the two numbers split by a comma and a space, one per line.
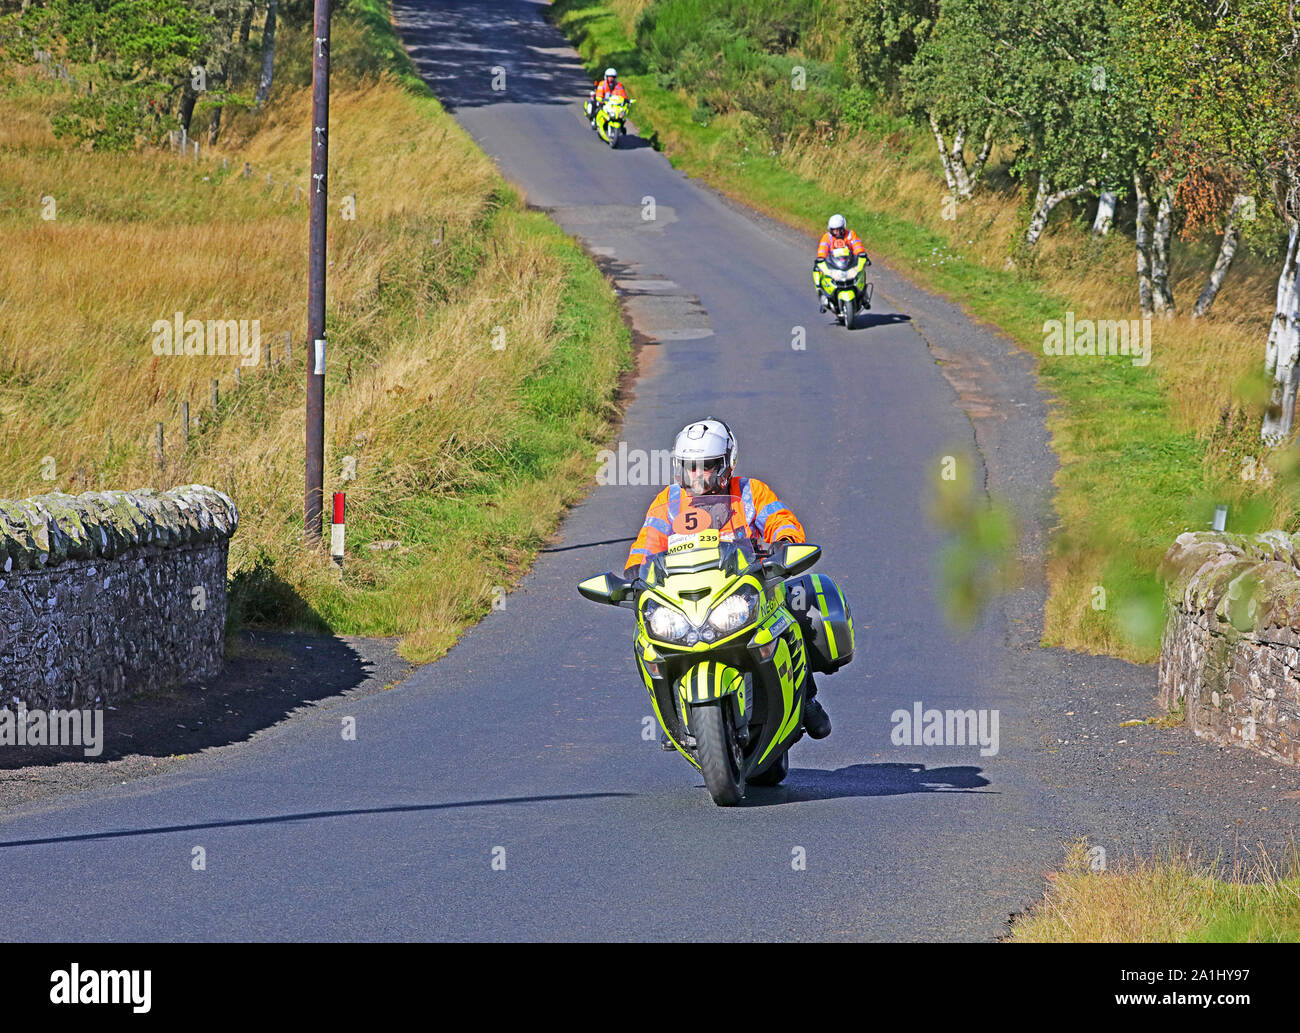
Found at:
[605, 87]
[837, 235]
[609, 86]
[758, 511]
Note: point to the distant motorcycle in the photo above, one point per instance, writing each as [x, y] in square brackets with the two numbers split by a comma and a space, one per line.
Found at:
[842, 277]
[610, 121]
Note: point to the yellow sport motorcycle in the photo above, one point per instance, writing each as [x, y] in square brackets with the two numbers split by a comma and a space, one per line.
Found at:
[610, 121]
[727, 632]
[842, 278]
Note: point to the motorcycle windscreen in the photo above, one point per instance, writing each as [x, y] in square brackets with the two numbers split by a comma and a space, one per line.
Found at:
[842, 258]
[700, 527]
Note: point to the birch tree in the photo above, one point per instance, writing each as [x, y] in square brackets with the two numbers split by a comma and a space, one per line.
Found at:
[885, 37]
[1053, 76]
[1242, 209]
[1227, 84]
[933, 87]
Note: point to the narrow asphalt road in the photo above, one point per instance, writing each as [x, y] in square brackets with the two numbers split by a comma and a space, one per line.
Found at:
[507, 791]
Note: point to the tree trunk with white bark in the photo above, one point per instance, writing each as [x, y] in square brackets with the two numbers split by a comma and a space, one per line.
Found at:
[1285, 283]
[268, 54]
[964, 186]
[1163, 293]
[945, 158]
[985, 147]
[961, 180]
[1143, 241]
[1105, 214]
[1227, 249]
[1283, 348]
[1044, 202]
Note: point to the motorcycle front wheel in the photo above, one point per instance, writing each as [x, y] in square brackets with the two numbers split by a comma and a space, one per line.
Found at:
[613, 136]
[850, 313]
[718, 753]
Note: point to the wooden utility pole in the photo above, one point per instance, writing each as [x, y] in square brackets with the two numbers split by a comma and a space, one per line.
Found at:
[320, 121]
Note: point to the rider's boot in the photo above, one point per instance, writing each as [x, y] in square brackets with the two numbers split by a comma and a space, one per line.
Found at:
[816, 722]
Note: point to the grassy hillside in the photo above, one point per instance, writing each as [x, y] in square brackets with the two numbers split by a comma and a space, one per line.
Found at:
[1146, 452]
[474, 351]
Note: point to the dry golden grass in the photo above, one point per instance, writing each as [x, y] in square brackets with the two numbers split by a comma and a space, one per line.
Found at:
[1163, 900]
[77, 336]
[416, 393]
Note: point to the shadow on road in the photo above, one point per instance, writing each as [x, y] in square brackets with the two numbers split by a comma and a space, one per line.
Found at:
[267, 676]
[532, 63]
[631, 142]
[804, 784]
[588, 545]
[867, 320]
[278, 819]
[870, 320]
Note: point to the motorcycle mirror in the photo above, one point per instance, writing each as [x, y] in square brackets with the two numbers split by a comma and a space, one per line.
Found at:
[605, 588]
[791, 559]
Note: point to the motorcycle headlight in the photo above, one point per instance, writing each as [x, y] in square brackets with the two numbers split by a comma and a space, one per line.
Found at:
[734, 612]
[844, 275]
[666, 623]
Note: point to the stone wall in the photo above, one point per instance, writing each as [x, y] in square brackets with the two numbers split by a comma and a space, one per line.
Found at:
[107, 594]
[1231, 647]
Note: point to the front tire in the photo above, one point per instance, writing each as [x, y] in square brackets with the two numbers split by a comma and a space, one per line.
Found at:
[613, 136]
[718, 753]
[850, 313]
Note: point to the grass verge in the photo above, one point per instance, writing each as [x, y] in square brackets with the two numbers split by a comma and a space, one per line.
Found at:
[1164, 900]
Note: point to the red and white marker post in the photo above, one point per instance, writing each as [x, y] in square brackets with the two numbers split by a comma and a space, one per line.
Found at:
[336, 531]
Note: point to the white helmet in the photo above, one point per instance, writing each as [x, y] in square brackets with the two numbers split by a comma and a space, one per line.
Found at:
[706, 447]
[610, 73]
[837, 222]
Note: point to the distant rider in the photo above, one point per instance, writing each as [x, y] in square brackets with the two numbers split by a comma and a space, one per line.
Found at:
[606, 87]
[837, 235]
[704, 457]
